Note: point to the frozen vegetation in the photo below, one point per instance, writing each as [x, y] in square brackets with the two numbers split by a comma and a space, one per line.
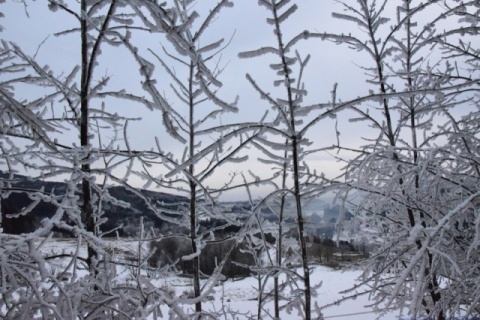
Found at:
[124, 126]
[230, 298]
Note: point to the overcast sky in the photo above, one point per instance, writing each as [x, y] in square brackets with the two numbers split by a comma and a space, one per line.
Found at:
[330, 63]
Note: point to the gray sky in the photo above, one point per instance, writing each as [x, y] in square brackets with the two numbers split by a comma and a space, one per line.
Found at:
[330, 64]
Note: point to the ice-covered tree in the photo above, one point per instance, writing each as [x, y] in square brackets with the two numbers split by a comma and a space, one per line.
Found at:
[84, 97]
[22, 129]
[189, 111]
[286, 146]
[60, 134]
[419, 187]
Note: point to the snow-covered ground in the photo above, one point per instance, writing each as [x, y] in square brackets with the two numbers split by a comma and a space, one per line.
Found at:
[241, 295]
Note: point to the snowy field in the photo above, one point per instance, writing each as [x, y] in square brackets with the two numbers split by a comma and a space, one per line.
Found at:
[241, 295]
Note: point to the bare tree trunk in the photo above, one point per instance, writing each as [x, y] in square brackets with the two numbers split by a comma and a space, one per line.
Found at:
[279, 259]
[301, 233]
[88, 62]
[193, 238]
[279, 241]
[193, 195]
[296, 170]
[87, 208]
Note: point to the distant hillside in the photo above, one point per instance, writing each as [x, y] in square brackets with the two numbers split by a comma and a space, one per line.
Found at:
[16, 199]
[330, 214]
[320, 216]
